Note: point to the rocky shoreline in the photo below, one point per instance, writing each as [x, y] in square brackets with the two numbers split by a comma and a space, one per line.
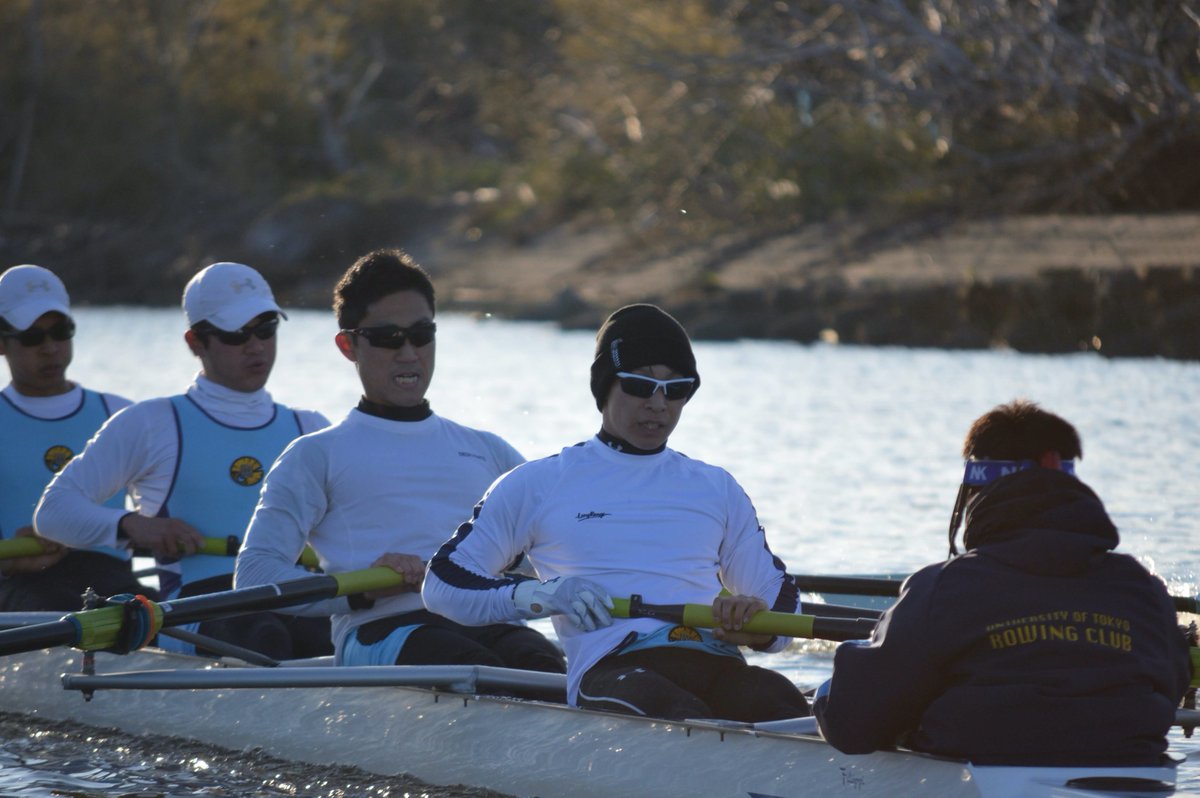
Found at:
[1125, 286]
[1122, 285]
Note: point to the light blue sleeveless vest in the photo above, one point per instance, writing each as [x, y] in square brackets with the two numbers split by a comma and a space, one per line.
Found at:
[33, 450]
[218, 476]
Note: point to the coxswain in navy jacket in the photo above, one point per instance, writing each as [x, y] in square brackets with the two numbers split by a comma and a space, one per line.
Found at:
[1039, 646]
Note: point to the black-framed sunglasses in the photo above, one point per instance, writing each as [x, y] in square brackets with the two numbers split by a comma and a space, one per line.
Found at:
[62, 330]
[263, 331]
[391, 336]
[643, 387]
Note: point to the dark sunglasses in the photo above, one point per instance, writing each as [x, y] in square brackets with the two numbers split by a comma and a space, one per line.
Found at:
[644, 387]
[264, 331]
[389, 336]
[63, 330]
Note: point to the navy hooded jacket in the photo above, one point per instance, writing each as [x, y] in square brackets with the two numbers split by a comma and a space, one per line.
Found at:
[1039, 646]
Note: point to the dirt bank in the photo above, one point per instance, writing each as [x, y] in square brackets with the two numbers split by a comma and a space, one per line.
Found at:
[1125, 285]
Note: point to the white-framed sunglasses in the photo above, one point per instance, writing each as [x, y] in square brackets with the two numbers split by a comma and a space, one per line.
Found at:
[643, 387]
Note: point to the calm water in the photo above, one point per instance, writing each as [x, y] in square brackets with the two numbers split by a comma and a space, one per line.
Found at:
[850, 454]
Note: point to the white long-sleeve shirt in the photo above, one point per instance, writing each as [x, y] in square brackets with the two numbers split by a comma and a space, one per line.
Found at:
[137, 449]
[664, 526]
[362, 488]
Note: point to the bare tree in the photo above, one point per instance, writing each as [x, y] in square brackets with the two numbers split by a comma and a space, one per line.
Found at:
[28, 112]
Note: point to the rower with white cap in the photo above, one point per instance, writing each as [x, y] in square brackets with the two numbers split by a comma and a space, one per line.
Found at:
[45, 419]
[194, 462]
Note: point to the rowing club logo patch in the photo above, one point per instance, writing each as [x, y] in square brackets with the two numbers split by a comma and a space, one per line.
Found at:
[56, 457]
[246, 471]
[679, 633]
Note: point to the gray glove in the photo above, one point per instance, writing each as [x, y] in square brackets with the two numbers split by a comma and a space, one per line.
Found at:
[585, 604]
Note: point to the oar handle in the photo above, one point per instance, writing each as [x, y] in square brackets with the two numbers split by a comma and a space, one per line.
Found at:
[20, 547]
[366, 580]
[764, 622]
[275, 596]
[218, 547]
[228, 547]
[778, 623]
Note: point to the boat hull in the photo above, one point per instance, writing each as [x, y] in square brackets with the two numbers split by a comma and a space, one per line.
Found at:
[521, 747]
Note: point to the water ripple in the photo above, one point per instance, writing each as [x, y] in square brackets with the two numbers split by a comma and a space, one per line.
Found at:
[44, 759]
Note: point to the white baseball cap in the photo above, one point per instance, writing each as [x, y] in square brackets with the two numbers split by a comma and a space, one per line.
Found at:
[27, 292]
[227, 296]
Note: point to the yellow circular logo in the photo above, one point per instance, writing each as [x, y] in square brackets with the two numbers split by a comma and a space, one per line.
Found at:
[56, 457]
[683, 633]
[246, 471]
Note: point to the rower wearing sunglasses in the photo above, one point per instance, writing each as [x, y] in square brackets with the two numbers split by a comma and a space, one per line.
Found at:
[623, 514]
[45, 420]
[1036, 646]
[194, 462]
[385, 486]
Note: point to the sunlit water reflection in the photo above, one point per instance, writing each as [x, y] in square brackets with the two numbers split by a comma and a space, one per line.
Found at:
[51, 760]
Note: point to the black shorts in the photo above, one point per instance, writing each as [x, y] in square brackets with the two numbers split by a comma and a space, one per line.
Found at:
[678, 682]
[440, 641]
[60, 587]
[278, 635]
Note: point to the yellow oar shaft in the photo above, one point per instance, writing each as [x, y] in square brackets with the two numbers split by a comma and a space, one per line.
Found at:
[701, 616]
[228, 547]
[778, 623]
[20, 547]
[766, 622]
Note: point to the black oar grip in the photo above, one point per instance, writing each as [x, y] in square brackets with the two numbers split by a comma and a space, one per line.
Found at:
[842, 628]
[847, 585]
[838, 610]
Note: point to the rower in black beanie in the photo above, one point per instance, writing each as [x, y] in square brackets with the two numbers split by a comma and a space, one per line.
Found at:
[623, 514]
[637, 336]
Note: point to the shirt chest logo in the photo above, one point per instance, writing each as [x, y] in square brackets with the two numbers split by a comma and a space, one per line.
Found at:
[246, 471]
[591, 515]
[56, 457]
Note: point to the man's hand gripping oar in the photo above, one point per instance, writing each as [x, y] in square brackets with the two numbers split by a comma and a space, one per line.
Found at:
[588, 606]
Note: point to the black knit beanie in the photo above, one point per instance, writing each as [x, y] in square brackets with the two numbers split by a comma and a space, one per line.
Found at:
[636, 336]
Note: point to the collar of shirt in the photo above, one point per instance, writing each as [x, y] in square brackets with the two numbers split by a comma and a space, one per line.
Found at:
[46, 406]
[624, 446]
[232, 407]
[393, 413]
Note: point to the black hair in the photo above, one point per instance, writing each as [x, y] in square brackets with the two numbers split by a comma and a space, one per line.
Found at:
[373, 276]
[1020, 430]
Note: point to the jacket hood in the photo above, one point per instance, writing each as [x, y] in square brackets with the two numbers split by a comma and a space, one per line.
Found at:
[1040, 520]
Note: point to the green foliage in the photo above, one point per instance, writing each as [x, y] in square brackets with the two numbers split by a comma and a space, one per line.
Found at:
[746, 115]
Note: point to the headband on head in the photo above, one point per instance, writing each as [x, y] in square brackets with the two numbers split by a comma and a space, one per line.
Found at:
[977, 473]
[981, 472]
